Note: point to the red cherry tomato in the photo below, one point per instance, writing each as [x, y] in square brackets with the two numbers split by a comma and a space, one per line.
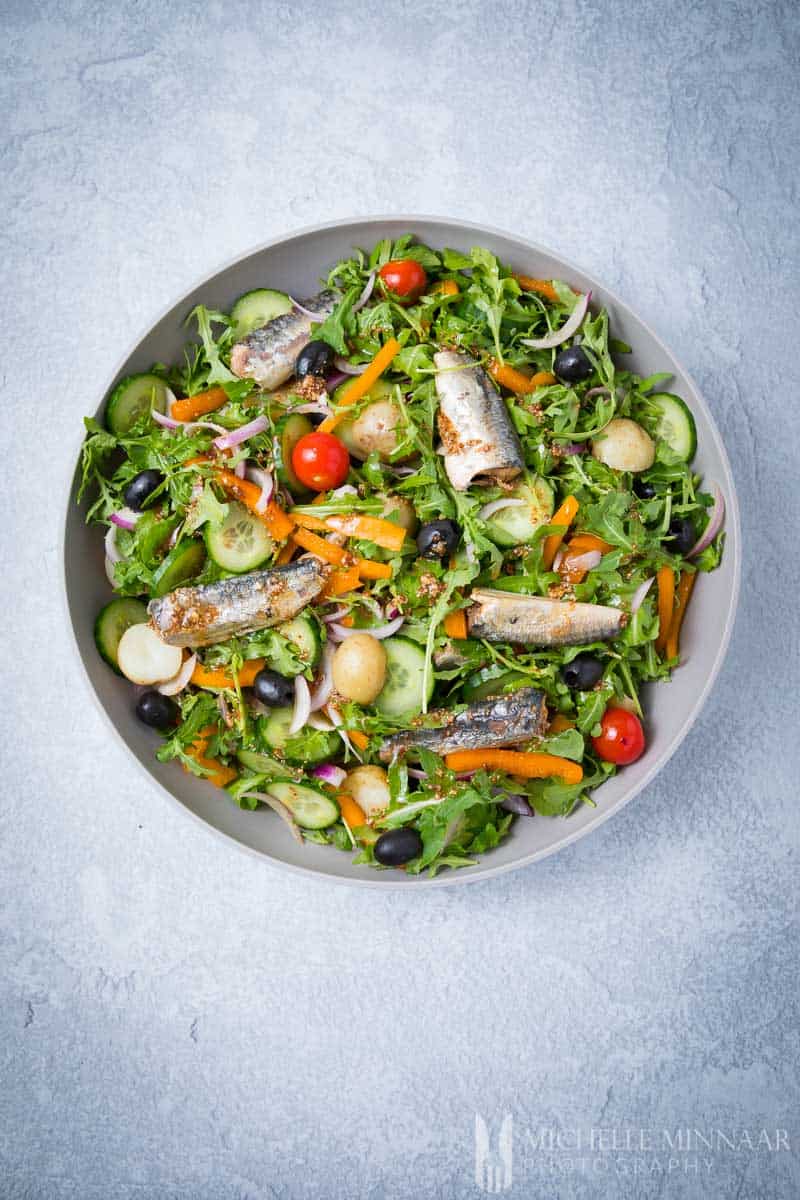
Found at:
[320, 461]
[622, 738]
[404, 277]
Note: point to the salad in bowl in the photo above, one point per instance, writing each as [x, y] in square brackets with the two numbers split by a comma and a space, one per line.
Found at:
[393, 561]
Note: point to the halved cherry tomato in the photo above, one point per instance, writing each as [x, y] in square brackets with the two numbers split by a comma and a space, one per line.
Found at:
[622, 737]
[405, 277]
[320, 461]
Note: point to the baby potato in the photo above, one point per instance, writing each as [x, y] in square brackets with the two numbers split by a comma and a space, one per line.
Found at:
[625, 446]
[369, 787]
[402, 508]
[359, 668]
[376, 428]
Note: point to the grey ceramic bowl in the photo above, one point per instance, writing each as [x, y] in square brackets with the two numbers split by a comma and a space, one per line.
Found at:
[295, 264]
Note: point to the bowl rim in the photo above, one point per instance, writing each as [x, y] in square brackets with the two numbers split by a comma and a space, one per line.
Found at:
[484, 870]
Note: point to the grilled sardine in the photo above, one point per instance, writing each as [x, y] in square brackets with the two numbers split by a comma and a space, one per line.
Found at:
[497, 721]
[539, 621]
[478, 438]
[268, 354]
[201, 616]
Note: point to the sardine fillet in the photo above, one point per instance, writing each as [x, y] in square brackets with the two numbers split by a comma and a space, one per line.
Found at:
[478, 438]
[539, 621]
[497, 721]
[201, 616]
[268, 354]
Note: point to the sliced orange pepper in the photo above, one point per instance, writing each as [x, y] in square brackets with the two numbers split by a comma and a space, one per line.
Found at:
[372, 529]
[665, 582]
[589, 541]
[368, 569]
[192, 407]
[221, 775]
[345, 579]
[285, 553]
[684, 591]
[359, 739]
[328, 551]
[558, 724]
[529, 765]
[276, 520]
[517, 381]
[352, 813]
[542, 287]
[564, 515]
[455, 624]
[445, 287]
[220, 677]
[361, 384]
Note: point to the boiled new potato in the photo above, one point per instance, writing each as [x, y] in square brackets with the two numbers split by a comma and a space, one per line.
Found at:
[624, 446]
[359, 668]
[376, 428]
[144, 658]
[369, 787]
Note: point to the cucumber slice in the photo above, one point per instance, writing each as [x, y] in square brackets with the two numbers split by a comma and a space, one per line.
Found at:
[310, 808]
[241, 542]
[287, 434]
[112, 621]
[131, 398]
[261, 763]
[257, 308]
[402, 692]
[144, 658]
[183, 562]
[304, 633]
[493, 682]
[516, 525]
[274, 732]
[675, 424]
[381, 390]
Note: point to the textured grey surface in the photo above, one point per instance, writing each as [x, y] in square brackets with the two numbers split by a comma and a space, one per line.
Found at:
[177, 1020]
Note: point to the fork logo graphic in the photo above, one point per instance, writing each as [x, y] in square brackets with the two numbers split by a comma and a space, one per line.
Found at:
[493, 1164]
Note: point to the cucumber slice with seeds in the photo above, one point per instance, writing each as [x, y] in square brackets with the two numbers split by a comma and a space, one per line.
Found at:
[310, 808]
[262, 763]
[131, 398]
[112, 621]
[183, 562]
[402, 692]
[304, 633]
[257, 308]
[516, 525]
[675, 425]
[274, 732]
[241, 542]
[287, 434]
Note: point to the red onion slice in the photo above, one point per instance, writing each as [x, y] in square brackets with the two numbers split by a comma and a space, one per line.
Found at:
[336, 718]
[317, 721]
[585, 562]
[571, 448]
[567, 329]
[334, 379]
[280, 809]
[171, 687]
[109, 567]
[265, 482]
[126, 518]
[302, 704]
[237, 436]
[224, 711]
[640, 593]
[324, 685]
[365, 295]
[348, 368]
[112, 553]
[166, 422]
[240, 469]
[340, 632]
[336, 614]
[715, 523]
[315, 316]
[318, 406]
[495, 506]
[597, 391]
[330, 773]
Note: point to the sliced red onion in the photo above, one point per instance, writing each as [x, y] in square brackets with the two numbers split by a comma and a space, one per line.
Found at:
[495, 506]
[126, 518]
[516, 804]
[391, 611]
[416, 773]
[317, 721]
[302, 704]
[240, 469]
[336, 614]
[112, 553]
[640, 593]
[559, 558]
[237, 436]
[365, 295]
[330, 773]
[336, 718]
[173, 537]
[567, 329]
[377, 631]
[348, 368]
[597, 391]
[318, 406]
[224, 711]
[571, 448]
[109, 566]
[585, 562]
[715, 522]
[265, 482]
[171, 687]
[346, 489]
[324, 685]
[315, 316]
[334, 379]
[167, 422]
[280, 809]
[191, 426]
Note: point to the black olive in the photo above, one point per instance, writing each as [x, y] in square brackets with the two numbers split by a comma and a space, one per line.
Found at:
[438, 539]
[272, 689]
[681, 536]
[572, 365]
[141, 488]
[314, 359]
[582, 673]
[397, 846]
[643, 489]
[156, 710]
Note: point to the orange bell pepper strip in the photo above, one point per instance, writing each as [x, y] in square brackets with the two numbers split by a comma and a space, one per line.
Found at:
[455, 625]
[361, 384]
[346, 579]
[215, 678]
[684, 591]
[359, 739]
[445, 287]
[589, 541]
[192, 407]
[517, 381]
[564, 515]
[276, 520]
[331, 553]
[528, 765]
[352, 813]
[221, 775]
[371, 529]
[558, 724]
[285, 554]
[542, 287]
[575, 549]
[665, 583]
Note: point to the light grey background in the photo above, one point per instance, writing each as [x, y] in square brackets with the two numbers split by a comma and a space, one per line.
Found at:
[178, 1020]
